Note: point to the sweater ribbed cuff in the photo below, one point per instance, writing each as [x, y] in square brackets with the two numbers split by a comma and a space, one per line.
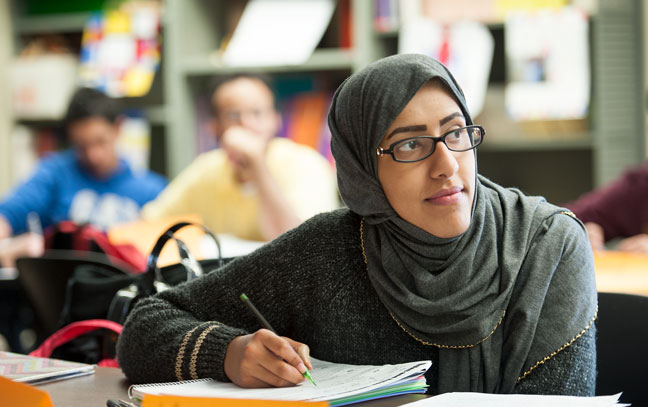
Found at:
[202, 351]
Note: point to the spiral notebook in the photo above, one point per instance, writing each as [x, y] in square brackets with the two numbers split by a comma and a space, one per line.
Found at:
[339, 384]
[34, 370]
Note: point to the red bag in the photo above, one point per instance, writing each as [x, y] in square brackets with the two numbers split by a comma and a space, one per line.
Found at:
[74, 330]
[68, 235]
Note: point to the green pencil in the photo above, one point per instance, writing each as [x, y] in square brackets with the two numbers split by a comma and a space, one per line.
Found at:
[267, 326]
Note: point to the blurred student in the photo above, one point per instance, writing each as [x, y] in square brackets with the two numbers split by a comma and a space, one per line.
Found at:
[88, 183]
[617, 210]
[255, 186]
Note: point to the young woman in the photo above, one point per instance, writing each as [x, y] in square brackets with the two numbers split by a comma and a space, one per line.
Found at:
[429, 261]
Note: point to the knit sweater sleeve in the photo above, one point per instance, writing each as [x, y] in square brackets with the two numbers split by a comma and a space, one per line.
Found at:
[569, 372]
[164, 340]
[183, 333]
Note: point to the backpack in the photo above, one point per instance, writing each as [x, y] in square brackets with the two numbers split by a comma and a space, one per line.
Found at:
[68, 235]
[98, 300]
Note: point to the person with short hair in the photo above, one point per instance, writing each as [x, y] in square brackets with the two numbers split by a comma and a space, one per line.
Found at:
[430, 261]
[255, 186]
[87, 183]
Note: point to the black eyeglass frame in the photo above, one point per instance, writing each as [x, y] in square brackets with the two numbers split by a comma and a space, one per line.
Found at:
[382, 151]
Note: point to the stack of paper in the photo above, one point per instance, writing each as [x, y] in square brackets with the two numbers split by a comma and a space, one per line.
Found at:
[514, 400]
[339, 384]
[278, 32]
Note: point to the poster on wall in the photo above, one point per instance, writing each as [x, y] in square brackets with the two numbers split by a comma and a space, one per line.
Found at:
[120, 49]
[465, 47]
[547, 53]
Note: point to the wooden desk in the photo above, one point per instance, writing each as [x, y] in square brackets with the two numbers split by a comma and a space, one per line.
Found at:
[88, 391]
[109, 383]
[618, 272]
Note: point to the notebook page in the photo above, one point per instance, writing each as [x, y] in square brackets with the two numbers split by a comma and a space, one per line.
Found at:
[31, 369]
[333, 381]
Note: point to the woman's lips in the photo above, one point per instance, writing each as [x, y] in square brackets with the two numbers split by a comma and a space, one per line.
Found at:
[447, 196]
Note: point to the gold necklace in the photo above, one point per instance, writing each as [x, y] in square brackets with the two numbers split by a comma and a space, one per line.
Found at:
[526, 373]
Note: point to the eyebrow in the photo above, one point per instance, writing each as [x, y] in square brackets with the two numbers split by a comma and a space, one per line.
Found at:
[450, 117]
[423, 127]
[406, 129]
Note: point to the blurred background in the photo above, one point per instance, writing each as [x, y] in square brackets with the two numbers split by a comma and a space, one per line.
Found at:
[558, 85]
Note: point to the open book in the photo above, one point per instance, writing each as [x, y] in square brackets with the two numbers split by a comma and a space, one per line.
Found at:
[34, 370]
[339, 384]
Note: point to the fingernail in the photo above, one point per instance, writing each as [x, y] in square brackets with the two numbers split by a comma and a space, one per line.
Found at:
[301, 367]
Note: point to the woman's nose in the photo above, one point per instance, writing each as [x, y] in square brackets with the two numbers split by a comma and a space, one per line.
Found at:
[443, 163]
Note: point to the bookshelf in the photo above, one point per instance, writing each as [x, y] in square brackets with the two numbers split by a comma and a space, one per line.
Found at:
[68, 22]
[194, 32]
[33, 18]
[6, 51]
[567, 160]
[560, 167]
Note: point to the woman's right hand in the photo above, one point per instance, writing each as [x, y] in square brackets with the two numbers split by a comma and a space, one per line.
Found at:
[263, 359]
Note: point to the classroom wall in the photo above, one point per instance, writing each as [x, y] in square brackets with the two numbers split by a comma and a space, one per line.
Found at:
[5, 119]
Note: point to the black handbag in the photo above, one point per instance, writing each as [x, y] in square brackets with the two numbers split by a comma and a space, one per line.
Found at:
[155, 279]
[95, 292]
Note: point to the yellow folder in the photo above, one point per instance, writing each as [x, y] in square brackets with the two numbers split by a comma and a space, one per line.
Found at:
[16, 394]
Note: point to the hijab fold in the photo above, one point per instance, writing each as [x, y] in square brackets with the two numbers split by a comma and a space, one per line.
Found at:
[451, 292]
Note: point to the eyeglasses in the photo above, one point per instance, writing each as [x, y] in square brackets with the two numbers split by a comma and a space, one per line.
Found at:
[236, 116]
[418, 148]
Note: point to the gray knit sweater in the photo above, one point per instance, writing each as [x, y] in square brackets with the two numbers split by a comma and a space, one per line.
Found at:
[311, 284]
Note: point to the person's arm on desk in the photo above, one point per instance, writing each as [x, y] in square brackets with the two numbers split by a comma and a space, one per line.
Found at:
[634, 244]
[201, 329]
[618, 209]
[5, 228]
[27, 244]
[596, 235]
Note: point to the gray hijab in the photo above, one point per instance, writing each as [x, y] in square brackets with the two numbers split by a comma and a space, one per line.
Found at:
[479, 296]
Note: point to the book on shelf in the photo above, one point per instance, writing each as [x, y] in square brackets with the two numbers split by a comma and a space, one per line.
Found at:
[386, 15]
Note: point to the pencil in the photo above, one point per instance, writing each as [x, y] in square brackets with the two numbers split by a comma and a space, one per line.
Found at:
[267, 326]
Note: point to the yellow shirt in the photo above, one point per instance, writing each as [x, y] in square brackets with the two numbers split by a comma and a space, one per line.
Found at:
[207, 187]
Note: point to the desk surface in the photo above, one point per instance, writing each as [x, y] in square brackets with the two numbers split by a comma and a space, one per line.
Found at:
[619, 272]
[109, 383]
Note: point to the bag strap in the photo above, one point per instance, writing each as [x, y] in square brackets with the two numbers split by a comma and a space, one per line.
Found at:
[153, 273]
[72, 331]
